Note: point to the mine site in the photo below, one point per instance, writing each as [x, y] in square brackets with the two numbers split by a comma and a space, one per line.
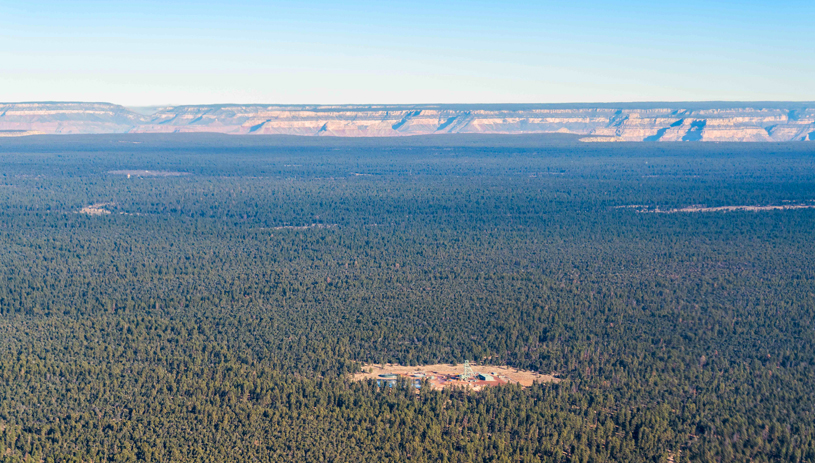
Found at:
[440, 376]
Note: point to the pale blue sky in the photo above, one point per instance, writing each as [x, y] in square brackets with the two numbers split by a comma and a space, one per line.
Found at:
[243, 51]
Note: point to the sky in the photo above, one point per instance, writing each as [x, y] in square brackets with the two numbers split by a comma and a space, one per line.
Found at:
[146, 52]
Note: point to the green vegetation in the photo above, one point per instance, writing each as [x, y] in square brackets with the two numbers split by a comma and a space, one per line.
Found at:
[187, 325]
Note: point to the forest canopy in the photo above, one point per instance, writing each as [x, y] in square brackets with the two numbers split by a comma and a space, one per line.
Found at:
[217, 315]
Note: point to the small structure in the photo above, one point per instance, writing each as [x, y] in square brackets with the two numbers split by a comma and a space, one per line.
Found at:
[387, 379]
[391, 379]
[485, 377]
[468, 371]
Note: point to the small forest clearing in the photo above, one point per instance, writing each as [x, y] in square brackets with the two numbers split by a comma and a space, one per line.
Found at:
[443, 375]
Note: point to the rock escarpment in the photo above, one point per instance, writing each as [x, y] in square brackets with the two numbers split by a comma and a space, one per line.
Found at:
[714, 121]
[66, 117]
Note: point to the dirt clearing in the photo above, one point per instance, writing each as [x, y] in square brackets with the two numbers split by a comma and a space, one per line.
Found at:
[96, 209]
[699, 208]
[449, 375]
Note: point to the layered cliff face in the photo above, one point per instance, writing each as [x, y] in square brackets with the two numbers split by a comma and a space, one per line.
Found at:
[606, 122]
[76, 118]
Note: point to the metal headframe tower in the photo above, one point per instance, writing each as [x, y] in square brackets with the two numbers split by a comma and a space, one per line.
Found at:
[468, 372]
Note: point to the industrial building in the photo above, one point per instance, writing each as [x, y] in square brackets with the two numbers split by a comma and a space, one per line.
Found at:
[436, 380]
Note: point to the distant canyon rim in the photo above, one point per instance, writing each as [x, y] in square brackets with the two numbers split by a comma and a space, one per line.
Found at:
[632, 122]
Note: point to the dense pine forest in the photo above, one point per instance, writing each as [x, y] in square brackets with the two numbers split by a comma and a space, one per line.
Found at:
[216, 314]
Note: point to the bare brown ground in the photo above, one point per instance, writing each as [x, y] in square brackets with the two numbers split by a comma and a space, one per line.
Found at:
[96, 209]
[148, 173]
[696, 208]
[510, 375]
[304, 227]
